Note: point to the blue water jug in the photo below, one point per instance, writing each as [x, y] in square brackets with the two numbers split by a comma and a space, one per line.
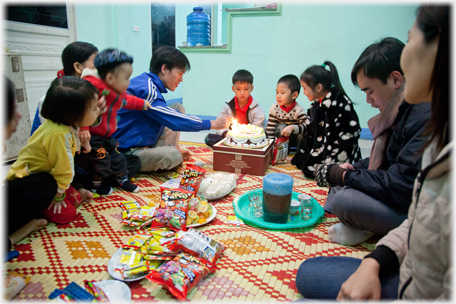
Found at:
[198, 27]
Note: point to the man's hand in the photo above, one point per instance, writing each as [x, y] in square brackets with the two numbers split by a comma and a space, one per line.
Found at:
[102, 105]
[221, 122]
[363, 284]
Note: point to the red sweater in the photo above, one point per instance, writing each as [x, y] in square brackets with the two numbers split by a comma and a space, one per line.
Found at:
[114, 101]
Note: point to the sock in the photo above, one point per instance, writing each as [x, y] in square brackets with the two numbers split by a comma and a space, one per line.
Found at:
[127, 186]
[103, 189]
[348, 236]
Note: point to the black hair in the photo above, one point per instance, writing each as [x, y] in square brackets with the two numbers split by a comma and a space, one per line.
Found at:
[434, 22]
[318, 74]
[379, 60]
[10, 94]
[107, 60]
[242, 76]
[170, 57]
[77, 51]
[68, 99]
[292, 82]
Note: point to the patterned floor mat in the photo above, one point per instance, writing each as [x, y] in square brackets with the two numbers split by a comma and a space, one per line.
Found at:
[259, 265]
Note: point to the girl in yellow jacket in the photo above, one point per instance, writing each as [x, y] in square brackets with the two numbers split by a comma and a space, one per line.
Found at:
[44, 169]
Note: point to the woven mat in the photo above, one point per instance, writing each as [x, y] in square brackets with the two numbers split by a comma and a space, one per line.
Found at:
[259, 265]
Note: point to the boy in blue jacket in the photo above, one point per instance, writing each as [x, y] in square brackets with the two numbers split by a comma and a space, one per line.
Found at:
[153, 135]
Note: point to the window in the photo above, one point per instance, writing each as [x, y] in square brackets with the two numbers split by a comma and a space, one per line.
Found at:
[54, 15]
[163, 24]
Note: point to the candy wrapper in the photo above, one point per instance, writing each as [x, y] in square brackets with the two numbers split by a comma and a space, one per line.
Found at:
[199, 210]
[280, 150]
[191, 178]
[137, 241]
[144, 214]
[200, 245]
[182, 274]
[233, 220]
[217, 184]
[173, 209]
[129, 208]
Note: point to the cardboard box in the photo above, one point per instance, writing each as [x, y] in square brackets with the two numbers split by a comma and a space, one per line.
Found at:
[242, 160]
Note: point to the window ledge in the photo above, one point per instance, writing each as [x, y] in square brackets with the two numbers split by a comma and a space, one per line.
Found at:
[249, 9]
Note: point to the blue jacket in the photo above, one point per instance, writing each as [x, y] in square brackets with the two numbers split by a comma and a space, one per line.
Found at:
[143, 128]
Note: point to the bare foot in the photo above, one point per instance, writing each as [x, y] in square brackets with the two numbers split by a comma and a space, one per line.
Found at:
[33, 225]
[87, 195]
[186, 154]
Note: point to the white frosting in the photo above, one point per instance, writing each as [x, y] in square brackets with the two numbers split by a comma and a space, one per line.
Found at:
[242, 133]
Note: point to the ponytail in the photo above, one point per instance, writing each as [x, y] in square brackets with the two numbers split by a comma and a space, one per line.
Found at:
[319, 74]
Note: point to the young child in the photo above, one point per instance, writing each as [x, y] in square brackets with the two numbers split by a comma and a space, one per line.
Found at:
[47, 159]
[112, 78]
[334, 129]
[243, 107]
[286, 117]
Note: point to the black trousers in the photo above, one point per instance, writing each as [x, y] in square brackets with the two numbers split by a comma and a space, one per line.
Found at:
[27, 198]
[107, 160]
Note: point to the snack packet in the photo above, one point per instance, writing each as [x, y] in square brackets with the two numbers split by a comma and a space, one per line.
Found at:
[173, 209]
[233, 220]
[191, 178]
[144, 214]
[200, 245]
[280, 152]
[129, 208]
[137, 241]
[181, 274]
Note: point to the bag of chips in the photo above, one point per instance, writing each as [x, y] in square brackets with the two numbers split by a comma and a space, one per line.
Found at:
[173, 209]
[280, 151]
[191, 178]
[200, 245]
[181, 274]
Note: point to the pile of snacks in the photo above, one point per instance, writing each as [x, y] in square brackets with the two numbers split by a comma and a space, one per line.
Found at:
[133, 214]
[197, 258]
[217, 184]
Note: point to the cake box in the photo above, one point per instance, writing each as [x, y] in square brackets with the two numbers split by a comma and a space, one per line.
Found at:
[242, 160]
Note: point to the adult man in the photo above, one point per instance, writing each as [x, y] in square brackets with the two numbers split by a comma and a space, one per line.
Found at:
[373, 195]
[153, 135]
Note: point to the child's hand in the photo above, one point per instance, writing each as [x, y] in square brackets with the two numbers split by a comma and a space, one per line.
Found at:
[290, 129]
[84, 136]
[102, 105]
[147, 105]
[86, 148]
[57, 206]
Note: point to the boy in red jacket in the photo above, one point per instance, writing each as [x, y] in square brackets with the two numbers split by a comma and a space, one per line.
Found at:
[114, 70]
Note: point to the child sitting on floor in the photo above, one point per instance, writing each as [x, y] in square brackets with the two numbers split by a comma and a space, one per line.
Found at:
[286, 117]
[243, 107]
[70, 103]
[334, 130]
[114, 69]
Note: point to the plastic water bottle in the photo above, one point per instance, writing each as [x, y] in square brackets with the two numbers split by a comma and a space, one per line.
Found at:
[198, 28]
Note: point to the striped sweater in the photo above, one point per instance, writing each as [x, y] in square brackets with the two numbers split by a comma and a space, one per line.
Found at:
[297, 116]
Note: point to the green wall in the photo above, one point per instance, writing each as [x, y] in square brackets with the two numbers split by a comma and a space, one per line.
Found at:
[268, 46]
[303, 35]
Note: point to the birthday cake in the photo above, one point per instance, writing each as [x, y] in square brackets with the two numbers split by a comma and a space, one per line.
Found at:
[246, 136]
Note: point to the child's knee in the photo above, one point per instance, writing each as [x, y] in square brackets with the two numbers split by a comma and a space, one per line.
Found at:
[66, 215]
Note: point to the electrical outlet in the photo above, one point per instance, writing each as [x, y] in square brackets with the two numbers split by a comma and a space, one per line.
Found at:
[135, 28]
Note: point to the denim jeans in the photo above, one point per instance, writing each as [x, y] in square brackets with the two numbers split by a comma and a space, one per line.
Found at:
[359, 210]
[321, 278]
